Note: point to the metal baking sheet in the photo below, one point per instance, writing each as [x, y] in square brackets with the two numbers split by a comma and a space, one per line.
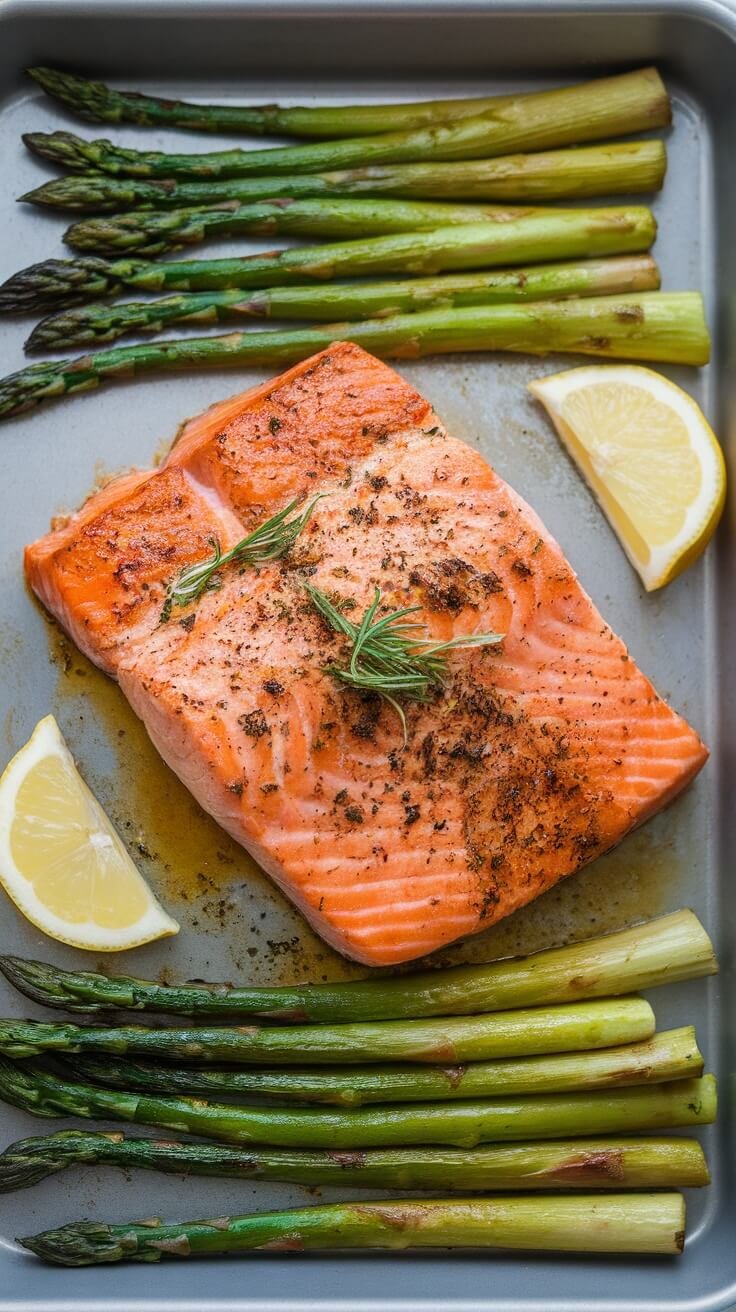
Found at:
[233, 922]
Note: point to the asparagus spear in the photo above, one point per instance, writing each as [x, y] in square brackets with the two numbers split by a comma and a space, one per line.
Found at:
[151, 232]
[607, 1223]
[336, 301]
[577, 1026]
[624, 167]
[663, 326]
[672, 1055]
[520, 234]
[599, 111]
[472, 246]
[459, 1124]
[661, 951]
[639, 100]
[667, 949]
[568, 1164]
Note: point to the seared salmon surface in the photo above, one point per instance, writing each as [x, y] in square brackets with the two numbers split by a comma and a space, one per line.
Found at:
[539, 753]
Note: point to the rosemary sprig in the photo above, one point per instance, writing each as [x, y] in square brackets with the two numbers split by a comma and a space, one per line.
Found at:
[392, 656]
[269, 541]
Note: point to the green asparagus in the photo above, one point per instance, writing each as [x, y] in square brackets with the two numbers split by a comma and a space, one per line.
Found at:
[571, 1028]
[668, 327]
[567, 1164]
[596, 112]
[672, 1055]
[520, 234]
[661, 951]
[601, 1223]
[474, 246]
[456, 1124]
[633, 102]
[339, 301]
[618, 169]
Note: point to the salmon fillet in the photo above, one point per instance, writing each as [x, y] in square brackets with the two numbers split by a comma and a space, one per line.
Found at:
[539, 754]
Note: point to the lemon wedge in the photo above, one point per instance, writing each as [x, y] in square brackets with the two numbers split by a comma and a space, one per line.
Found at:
[61, 860]
[649, 455]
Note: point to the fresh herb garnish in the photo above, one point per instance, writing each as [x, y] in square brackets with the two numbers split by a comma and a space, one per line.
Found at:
[269, 541]
[392, 656]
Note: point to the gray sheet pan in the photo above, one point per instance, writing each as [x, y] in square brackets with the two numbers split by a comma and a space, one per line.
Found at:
[233, 923]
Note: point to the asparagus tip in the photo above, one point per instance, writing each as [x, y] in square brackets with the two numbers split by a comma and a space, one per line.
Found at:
[40, 339]
[21, 1168]
[78, 92]
[24, 973]
[64, 149]
[57, 282]
[76, 1245]
[27, 388]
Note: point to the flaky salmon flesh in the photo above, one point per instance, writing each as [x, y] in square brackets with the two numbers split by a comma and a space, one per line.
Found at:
[537, 755]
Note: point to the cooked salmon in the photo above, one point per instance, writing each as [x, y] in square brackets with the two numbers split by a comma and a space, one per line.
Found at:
[537, 755]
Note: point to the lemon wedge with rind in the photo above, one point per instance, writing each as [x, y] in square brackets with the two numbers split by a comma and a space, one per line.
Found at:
[62, 862]
[651, 458]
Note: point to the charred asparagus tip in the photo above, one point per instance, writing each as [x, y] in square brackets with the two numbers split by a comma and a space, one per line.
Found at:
[78, 1245]
[57, 282]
